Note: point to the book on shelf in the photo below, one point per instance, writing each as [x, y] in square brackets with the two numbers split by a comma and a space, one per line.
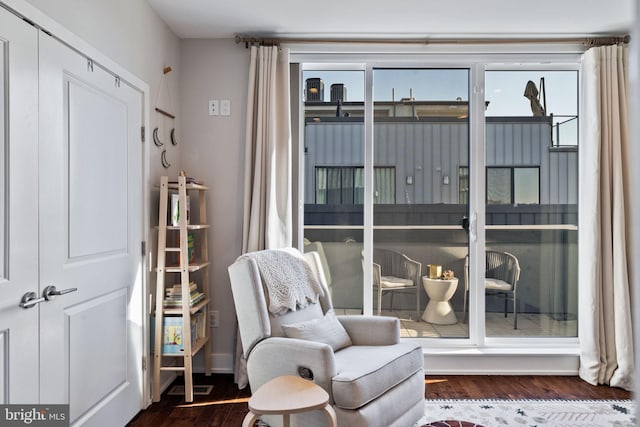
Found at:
[173, 296]
[199, 325]
[173, 333]
[188, 180]
[191, 253]
[177, 288]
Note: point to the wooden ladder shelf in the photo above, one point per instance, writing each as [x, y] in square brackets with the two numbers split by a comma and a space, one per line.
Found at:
[181, 329]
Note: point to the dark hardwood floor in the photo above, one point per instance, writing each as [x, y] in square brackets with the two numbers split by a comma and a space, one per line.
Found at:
[226, 406]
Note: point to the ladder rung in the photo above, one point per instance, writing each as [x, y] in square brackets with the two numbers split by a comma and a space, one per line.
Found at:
[172, 368]
[172, 249]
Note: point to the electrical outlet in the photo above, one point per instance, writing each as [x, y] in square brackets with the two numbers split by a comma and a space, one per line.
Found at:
[214, 107]
[213, 318]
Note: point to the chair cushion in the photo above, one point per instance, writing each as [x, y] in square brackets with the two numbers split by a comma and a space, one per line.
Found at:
[366, 372]
[497, 284]
[395, 282]
[326, 329]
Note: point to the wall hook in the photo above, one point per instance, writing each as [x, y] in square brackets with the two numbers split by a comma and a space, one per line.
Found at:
[173, 137]
[163, 159]
[156, 140]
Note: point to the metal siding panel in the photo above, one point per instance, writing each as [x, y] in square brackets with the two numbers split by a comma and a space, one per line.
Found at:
[490, 143]
[426, 163]
[499, 147]
[463, 158]
[517, 144]
[545, 179]
[359, 152]
[408, 169]
[400, 148]
[538, 142]
[452, 161]
[572, 177]
[509, 133]
[335, 145]
[445, 162]
[563, 177]
[418, 167]
[309, 162]
[435, 163]
[553, 173]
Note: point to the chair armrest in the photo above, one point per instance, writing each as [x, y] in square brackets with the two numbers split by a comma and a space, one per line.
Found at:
[277, 356]
[377, 274]
[371, 330]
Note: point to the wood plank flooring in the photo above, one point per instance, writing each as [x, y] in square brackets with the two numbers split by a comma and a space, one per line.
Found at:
[226, 406]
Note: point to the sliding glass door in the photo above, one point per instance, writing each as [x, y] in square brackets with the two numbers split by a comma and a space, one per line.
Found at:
[445, 196]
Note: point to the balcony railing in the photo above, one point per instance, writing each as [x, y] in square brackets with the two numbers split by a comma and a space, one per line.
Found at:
[439, 215]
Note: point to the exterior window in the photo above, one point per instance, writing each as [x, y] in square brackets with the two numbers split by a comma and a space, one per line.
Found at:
[463, 185]
[513, 186]
[339, 185]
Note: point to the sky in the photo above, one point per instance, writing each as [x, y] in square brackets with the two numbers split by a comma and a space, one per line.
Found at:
[504, 89]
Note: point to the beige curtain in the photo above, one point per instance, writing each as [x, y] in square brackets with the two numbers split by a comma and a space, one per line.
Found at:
[267, 181]
[605, 329]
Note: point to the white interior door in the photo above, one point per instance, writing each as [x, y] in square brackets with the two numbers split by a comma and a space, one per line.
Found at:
[90, 205]
[18, 209]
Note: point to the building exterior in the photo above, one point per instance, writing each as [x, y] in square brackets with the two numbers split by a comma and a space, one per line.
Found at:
[421, 188]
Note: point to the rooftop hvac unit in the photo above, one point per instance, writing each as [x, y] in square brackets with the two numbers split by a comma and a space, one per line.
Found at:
[338, 92]
[315, 90]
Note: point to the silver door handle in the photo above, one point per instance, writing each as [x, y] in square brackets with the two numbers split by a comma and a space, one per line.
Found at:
[50, 292]
[30, 299]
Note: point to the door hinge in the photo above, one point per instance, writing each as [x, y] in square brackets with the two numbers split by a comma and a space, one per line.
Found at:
[142, 133]
[143, 245]
[144, 363]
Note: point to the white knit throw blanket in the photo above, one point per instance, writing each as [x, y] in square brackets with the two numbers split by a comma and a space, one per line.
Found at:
[289, 280]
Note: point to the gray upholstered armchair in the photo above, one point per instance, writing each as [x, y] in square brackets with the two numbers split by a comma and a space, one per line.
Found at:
[372, 378]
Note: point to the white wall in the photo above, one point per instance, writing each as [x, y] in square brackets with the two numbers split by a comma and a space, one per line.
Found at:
[214, 152]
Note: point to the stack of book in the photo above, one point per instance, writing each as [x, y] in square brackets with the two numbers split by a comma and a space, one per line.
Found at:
[173, 296]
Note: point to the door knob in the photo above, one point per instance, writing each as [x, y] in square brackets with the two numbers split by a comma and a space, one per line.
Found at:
[30, 299]
[50, 292]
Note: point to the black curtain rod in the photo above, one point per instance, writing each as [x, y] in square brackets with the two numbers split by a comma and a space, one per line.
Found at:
[585, 41]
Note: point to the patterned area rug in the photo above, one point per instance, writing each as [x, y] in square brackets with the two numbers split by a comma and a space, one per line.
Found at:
[529, 413]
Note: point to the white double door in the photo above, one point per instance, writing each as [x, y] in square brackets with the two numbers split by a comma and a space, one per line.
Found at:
[70, 217]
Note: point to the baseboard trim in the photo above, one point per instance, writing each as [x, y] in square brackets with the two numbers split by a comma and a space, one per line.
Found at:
[501, 364]
[222, 363]
[454, 362]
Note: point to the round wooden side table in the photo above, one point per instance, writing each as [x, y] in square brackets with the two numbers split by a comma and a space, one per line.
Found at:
[288, 395]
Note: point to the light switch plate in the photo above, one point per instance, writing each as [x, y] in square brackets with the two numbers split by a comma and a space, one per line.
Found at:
[225, 107]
